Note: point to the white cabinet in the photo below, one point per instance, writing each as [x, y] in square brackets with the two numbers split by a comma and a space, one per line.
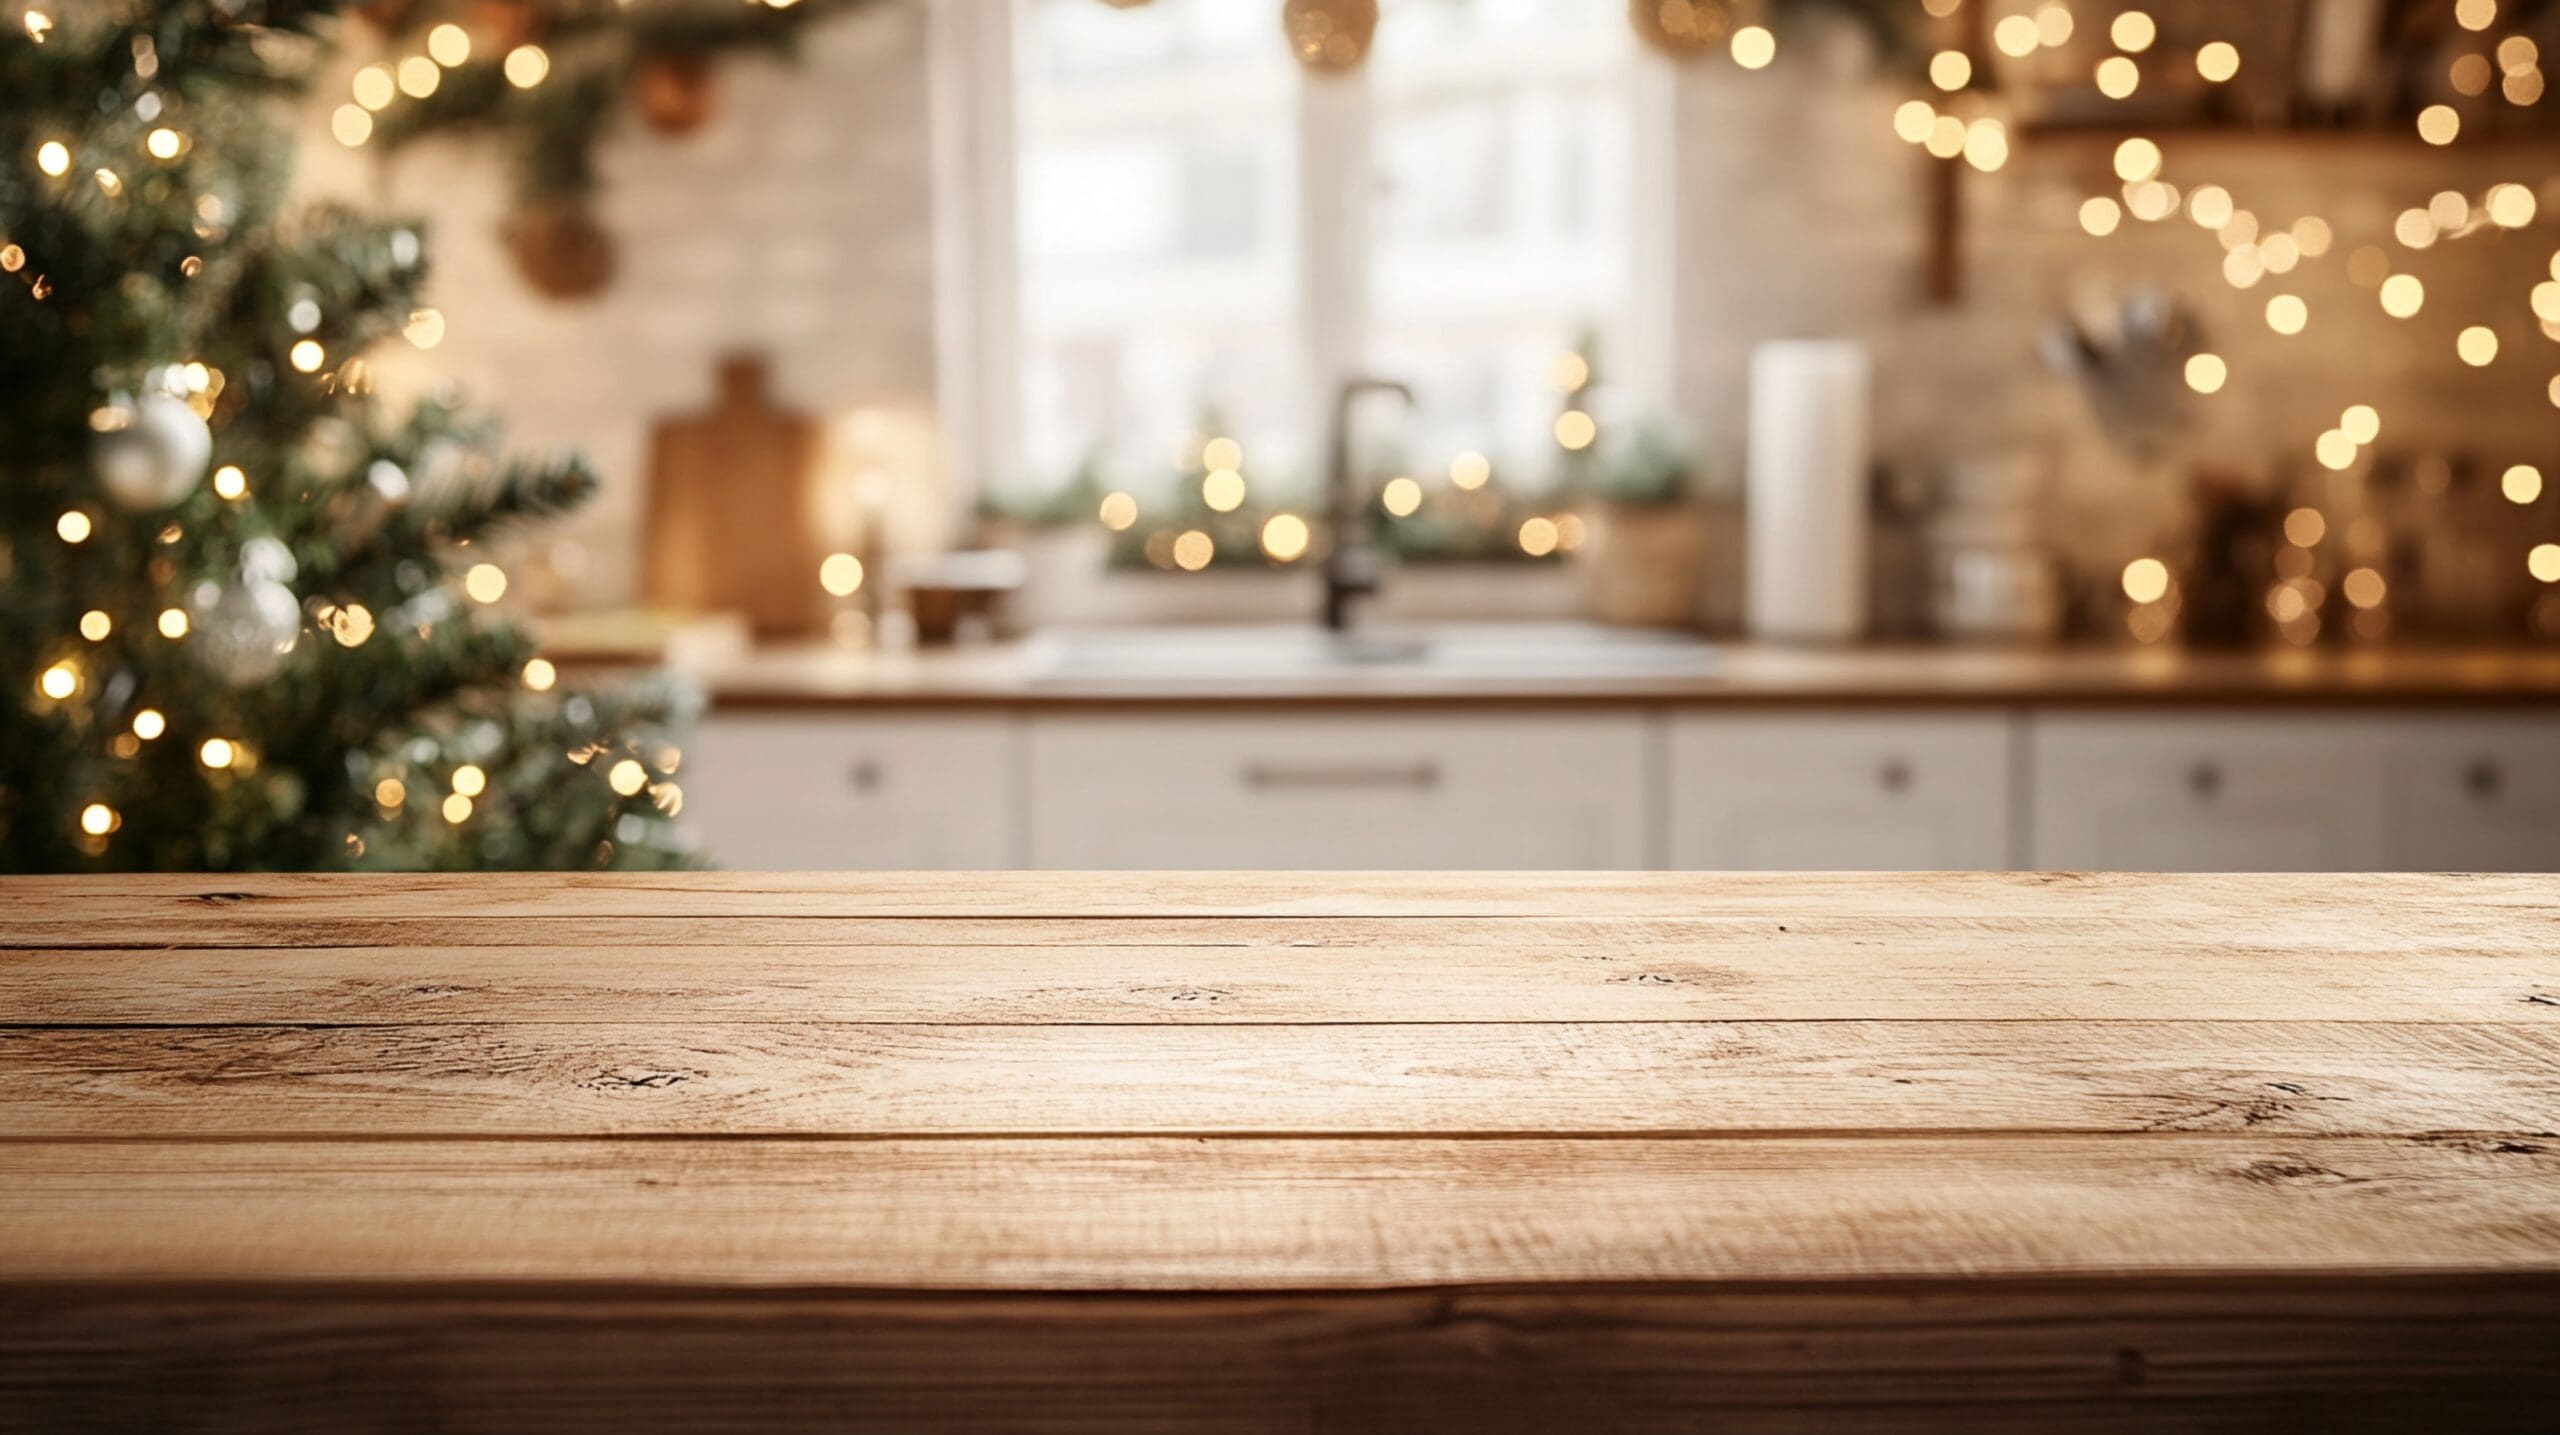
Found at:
[2474, 794]
[855, 792]
[1814, 791]
[1434, 789]
[2174, 793]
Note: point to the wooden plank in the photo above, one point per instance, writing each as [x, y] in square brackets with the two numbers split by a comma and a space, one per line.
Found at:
[1659, 1078]
[183, 907]
[1195, 1214]
[1819, 971]
[1963, 1357]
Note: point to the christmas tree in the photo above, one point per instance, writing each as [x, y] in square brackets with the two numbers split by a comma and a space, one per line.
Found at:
[248, 607]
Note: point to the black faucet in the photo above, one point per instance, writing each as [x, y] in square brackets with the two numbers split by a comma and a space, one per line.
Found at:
[1351, 563]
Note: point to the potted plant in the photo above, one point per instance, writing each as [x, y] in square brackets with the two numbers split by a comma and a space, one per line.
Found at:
[1645, 555]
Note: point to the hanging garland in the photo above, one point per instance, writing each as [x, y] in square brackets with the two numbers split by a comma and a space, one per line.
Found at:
[551, 77]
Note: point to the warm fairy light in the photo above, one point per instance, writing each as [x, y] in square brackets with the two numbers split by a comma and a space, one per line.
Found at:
[2206, 373]
[2151, 201]
[2133, 31]
[2146, 580]
[2521, 484]
[840, 574]
[1913, 119]
[2546, 301]
[217, 752]
[470, 780]
[1220, 453]
[1285, 536]
[351, 624]
[54, 158]
[456, 808]
[2415, 228]
[1193, 550]
[1946, 137]
[539, 675]
[39, 25]
[73, 526]
[1119, 511]
[2242, 267]
[425, 328]
[307, 356]
[1223, 490]
[2336, 452]
[449, 44]
[390, 792]
[486, 582]
[2403, 295]
[173, 622]
[627, 777]
[374, 88]
[1569, 373]
[95, 625]
[149, 724]
[1538, 536]
[2210, 206]
[2287, 314]
[1754, 47]
[1986, 145]
[2304, 527]
[1470, 470]
[2364, 588]
[2361, 423]
[2118, 77]
[526, 65]
[2439, 124]
[98, 819]
[163, 143]
[2137, 159]
[350, 125]
[59, 681]
[2100, 216]
[1950, 69]
[2218, 61]
[2279, 253]
[2478, 346]
[2015, 36]
[2544, 562]
[1575, 429]
[419, 77]
[2510, 206]
[2450, 210]
[2054, 24]
[1401, 497]
[2475, 14]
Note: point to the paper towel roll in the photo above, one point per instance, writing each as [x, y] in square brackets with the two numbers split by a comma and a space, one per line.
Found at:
[1807, 513]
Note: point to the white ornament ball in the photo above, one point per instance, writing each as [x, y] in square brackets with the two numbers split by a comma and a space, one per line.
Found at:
[244, 632]
[157, 457]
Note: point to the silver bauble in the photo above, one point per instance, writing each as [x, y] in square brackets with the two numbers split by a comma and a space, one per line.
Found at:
[156, 457]
[245, 631]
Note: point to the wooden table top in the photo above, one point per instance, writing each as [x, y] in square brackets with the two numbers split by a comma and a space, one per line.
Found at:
[1348, 1098]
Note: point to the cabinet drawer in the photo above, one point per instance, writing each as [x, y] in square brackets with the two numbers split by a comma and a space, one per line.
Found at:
[2264, 793]
[857, 793]
[1928, 792]
[2474, 794]
[1320, 791]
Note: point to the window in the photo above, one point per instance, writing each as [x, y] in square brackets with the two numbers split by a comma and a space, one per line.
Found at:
[1184, 224]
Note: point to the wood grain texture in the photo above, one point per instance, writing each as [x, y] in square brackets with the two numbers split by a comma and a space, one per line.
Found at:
[1280, 1152]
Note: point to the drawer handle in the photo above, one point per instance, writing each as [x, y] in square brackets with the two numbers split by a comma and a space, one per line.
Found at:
[865, 775]
[1272, 776]
[2205, 780]
[1895, 775]
[2483, 779]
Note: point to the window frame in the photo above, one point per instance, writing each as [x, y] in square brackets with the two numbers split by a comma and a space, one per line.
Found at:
[977, 269]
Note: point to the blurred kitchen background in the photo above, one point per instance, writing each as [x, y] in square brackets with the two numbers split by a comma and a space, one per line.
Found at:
[1536, 433]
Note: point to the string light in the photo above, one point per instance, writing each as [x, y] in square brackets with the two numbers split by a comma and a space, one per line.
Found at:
[469, 780]
[2478, 346]
[2521, 484]
[54, 158]
[61, 681]
[1538, 536]
[1220, 453]
[95, 625]
[1223, 490]
[1401, 497]
[149, 724]
[230, 483]
[1470, 470]
[1193, 550]
[350, 125]
[173, 623]
[1754, 47]
[2206, 373]
[217, 753]
[626, 777]
[1119, 512]
[456, 808]
[449, 45]
[2146, 580]
[1575, 430]
[306, 355]
[539, 674]
[486, 583]
[526, 65]
[2218, 61]
[840, 574]
[98, 819]
[73, 526]
[1285, 537]
[374, 88]
[390, 793]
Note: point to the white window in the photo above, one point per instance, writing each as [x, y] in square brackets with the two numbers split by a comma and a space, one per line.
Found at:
[1156, 215]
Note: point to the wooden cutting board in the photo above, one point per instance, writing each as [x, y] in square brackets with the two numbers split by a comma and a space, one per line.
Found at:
[730, 521]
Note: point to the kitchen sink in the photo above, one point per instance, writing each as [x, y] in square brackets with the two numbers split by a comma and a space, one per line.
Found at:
[1525, 652]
